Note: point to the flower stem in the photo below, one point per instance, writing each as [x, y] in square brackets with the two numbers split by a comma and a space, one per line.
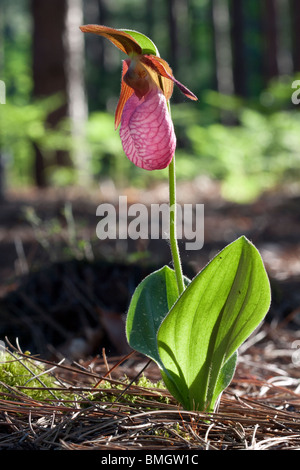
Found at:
[173, 236]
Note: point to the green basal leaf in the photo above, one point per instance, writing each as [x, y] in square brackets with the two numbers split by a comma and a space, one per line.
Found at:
[145, 43]
[198, 339]
[150, 303]
[225, 376]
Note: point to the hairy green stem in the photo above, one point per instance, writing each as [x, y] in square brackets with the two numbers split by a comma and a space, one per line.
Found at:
[173, 231]
[173, 235]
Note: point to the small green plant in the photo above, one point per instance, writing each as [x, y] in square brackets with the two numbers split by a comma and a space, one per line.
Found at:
[129, 393]
[191, 329]
[23, 375]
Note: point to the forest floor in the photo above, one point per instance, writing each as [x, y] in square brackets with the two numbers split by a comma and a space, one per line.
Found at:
[64, 295]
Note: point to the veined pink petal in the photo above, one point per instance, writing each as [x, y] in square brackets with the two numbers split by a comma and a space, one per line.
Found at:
[147, 131]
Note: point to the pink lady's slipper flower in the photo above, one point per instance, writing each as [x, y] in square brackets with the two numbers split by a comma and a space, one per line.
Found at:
[146, 131]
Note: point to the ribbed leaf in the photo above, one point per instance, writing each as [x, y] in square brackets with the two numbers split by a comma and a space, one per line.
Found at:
[220, 308]
[150, 303]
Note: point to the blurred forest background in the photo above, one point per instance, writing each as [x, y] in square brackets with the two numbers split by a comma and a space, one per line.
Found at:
[240, 57]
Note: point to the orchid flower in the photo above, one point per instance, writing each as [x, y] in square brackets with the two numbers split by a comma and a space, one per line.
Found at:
[146, 131]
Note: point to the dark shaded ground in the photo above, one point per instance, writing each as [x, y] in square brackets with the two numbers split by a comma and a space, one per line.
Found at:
[65, 293]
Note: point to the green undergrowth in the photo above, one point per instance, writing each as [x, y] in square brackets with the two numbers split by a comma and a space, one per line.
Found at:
[22, 377]
[143, 390]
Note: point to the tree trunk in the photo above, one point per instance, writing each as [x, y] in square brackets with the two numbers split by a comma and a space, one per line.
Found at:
[77, 104]
[173, 52]
[49, 74]
[103, 19]
[295, 19]
[238, 47]
[150, 17]
[270, 33]
[173, 34]
[223, 58]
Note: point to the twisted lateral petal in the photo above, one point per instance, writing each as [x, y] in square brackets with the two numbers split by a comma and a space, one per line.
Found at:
[125, 94]
[147, 131]
[162, 68]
